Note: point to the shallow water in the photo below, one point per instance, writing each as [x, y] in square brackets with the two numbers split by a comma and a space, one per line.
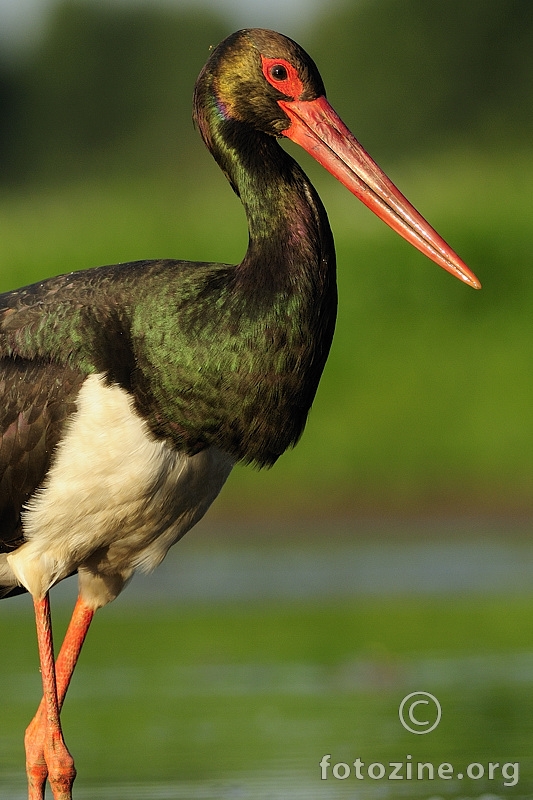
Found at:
[464, 557]
[280, 786]
[179, 715]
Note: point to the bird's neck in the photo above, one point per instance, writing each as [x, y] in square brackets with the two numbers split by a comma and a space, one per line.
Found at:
[285, 285]
[290, 241]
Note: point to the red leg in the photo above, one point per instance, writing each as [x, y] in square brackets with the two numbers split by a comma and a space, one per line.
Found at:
[70, 649]
[46, 752]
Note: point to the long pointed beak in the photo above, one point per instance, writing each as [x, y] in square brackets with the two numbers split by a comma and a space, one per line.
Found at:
[317, 128]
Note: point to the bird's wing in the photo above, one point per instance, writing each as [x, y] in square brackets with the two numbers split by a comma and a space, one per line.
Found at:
[46, 320]
[38, 386]
[36, 400]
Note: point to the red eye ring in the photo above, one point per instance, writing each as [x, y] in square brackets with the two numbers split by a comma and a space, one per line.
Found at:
[283, 76]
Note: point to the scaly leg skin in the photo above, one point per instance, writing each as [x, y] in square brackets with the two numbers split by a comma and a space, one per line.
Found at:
[46, 752]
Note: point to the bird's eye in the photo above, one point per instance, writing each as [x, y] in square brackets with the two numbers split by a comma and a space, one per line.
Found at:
[278, 72]
[283, 76]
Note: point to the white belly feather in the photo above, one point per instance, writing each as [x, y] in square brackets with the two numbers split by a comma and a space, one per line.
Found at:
[115, 499]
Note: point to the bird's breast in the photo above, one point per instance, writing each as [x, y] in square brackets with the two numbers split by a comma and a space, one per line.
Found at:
[240, 377]
[115, 496]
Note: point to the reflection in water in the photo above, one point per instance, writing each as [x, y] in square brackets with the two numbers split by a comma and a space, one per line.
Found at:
[279, 786]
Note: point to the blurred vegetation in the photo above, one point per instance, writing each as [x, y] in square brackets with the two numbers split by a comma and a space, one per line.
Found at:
[114, 82]
[415, 75]
[107, 86]
[426, 400]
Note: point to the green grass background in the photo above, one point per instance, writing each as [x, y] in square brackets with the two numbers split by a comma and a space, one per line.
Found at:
[426, 398]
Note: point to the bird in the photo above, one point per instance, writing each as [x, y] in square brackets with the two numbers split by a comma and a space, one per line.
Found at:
[129, 392]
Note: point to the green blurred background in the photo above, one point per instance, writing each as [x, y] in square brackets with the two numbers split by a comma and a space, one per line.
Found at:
[422, 428]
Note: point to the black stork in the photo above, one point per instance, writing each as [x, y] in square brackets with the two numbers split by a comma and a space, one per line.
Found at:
[130, 391]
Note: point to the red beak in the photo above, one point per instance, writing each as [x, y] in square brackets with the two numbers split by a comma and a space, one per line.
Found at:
[317, 128]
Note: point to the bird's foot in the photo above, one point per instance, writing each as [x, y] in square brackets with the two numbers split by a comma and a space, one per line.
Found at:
[61, 769]
[47, 757]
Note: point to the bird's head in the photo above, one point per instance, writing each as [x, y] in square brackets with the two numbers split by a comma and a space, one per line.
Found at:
[268, 82]
[251, 70]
